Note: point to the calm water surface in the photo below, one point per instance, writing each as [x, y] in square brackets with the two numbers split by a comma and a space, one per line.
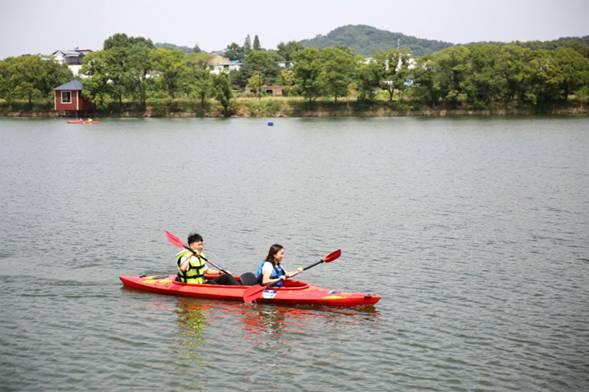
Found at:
[474, 231]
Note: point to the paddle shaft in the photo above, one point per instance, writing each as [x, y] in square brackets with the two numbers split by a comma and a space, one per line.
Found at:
[208, 261]
[313, 265]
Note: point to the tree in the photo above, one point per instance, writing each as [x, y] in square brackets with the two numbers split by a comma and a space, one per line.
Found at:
[545, 80]
[263, 61]
[450, 67]
[30, 76]
[257, 45]
[223, 93]
[196, 80]
[307, 69]
[395, 70]
[287, 50]
[288, 80]
[234, 52]
[137, 65]
[120, 40]
[338, 66]
[255, 83]
[368, 77]
[425, 88]
[169, 63]
[575, 70]
[483, 84]
[512, 65]
[247, 45]
[104, 81]
[119, 72]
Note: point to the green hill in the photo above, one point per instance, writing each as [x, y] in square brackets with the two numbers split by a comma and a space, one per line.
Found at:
[580, 44]
[184, 49]
[366, 40]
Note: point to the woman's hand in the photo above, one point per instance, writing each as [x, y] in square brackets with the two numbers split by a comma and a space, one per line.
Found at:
[298, 271]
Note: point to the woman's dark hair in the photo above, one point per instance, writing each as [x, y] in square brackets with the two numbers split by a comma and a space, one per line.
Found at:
[194, 237]
[272, 252]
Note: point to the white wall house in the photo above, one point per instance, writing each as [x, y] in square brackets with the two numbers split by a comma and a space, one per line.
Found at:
[71, 58]
[220, 64]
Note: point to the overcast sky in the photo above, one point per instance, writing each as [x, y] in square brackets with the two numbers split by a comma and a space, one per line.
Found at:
[35, 26]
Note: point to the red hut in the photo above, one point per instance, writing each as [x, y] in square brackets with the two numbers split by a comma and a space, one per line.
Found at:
[68, 99]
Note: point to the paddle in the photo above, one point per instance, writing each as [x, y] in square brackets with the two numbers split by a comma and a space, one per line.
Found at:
[254, 292]
[177, 242]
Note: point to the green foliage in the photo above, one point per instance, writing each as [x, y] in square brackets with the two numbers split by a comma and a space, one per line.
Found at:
[247, 44]
[184, 49]
[255, 83]
[223, 93]
[264, 62]
[484, 75]
[287, 50]
[120, 40]
[307, 72]
[395, 70]
[31, 77]
[367, 40]
[196, 80]
[579, 44]
[368, 79]
[118, 72]
[257, 45]
[234, 52]
[288, 80]
[169, 64]
[338, 67]
[132, 75]
[262, 107]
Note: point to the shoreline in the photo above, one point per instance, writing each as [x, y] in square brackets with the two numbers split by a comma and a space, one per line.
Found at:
[275, 108]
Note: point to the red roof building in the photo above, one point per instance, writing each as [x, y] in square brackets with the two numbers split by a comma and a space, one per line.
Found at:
[68, 98]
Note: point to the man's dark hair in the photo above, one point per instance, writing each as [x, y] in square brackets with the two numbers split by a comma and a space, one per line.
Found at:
[194, 237]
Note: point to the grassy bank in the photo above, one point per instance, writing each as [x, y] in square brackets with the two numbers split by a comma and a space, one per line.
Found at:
[287, 107]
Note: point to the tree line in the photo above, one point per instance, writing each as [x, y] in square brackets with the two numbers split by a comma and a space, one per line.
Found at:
[475, 76]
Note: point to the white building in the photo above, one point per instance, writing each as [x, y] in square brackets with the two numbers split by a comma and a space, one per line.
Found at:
[71, 58]
[220, 64]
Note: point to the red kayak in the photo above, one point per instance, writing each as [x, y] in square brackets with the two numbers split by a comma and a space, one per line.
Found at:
[83, 122]
[294, 292]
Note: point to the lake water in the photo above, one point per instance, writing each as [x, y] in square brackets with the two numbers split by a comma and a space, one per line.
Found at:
[474, 231]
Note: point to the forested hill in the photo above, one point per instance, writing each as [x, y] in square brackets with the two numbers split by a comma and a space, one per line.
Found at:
[580, 44]
[366, 40]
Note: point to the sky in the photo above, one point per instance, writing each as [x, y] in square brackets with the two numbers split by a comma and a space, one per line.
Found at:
[35, 26]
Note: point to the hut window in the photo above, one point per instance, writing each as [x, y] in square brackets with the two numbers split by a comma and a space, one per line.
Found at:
[66, 97]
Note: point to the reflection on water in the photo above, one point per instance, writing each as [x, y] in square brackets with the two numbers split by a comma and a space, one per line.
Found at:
[266, 319]
[192, 321]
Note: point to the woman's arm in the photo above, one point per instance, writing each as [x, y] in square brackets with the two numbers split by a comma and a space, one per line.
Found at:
[294, 273]
[266, 280]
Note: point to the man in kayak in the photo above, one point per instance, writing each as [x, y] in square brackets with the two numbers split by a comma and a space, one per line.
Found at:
[270, 272]
[192, 265]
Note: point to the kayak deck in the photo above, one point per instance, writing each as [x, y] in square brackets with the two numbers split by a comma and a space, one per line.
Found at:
[293, 292]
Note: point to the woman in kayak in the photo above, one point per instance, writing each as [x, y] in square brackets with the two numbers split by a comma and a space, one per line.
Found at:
[192, 265]
[270, 272]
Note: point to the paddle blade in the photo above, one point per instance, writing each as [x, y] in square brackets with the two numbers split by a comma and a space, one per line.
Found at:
[177, 242]
[253, 293]
[332, 256]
